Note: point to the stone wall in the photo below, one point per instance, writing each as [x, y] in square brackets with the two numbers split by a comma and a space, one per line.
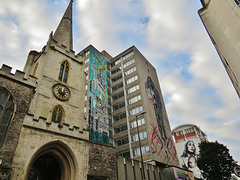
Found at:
[22, 92]
[102, 161]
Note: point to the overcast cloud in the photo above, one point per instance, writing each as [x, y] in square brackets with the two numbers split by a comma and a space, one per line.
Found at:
[170, 35]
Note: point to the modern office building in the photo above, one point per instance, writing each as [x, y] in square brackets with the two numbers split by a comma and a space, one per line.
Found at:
[119, 89]
[222, 22]
[67, 115]
[136, 89]
[187, 137]
[119, 92]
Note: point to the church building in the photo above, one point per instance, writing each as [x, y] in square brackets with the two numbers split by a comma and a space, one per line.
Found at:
[44, 131]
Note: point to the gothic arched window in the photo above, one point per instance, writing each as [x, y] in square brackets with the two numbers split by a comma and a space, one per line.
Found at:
[63, 74]
[6, 112]
[57, 115]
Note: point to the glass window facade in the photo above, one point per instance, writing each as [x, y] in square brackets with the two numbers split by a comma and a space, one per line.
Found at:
[140, 121]
[122, 141]
[130, 71]
[145, 150]
[134, 99]
[135, 110]
[142, 135]
[133, 89]
[128, 63]
[132, 79]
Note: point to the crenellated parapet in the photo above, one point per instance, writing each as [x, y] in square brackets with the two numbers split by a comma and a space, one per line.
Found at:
[57, 46]
[43, 124]
[18, 76]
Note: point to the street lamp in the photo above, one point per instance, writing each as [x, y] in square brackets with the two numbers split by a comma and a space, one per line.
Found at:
[141, 113]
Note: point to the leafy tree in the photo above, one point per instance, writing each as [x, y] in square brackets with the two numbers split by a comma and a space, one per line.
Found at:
[215, 161]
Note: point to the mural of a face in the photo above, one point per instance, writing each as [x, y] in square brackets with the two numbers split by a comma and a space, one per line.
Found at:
[192, 162]
[161, 143]
[154, 99]
[188, 159]
[191, 147]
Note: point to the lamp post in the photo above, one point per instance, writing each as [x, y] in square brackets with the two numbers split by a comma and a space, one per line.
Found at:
[141, 113]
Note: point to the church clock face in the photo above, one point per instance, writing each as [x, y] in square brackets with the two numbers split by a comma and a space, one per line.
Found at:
[61, 92]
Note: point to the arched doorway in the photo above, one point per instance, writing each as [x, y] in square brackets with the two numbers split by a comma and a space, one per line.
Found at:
[53, 161]
[46, 167]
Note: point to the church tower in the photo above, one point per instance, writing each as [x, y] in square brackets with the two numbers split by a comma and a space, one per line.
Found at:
[52, 140]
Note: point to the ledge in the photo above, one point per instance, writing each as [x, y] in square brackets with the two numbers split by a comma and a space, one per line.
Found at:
[62, 129]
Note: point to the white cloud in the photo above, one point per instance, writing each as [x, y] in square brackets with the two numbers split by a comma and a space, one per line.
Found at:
[169, 33]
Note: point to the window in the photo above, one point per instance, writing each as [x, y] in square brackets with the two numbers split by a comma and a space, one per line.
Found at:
[117, 78]
[132, 89]
[132, 79]
[140, 121]
[57, 115]
[118, 106]
[135, 110]
[86, 69]
[177, 133]
[120, 128]
[130, 71]
[116, 87]
[86, 61]
[87, 53]
[128, 63]
[116, 62]
[134, 99]
[6, 112]
[117, 96]
[145, 150]
[237, 2]
[116, 70]
[122, 141]
[86, 77]
[142, 135]
[63, 74]
[125, 154]
[85, 98]
[119, 117]
[128, 55]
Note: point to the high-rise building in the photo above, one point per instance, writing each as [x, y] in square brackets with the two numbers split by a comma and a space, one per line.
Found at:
[135, 89]
[187, 137]
[222, 22]
[119, 89]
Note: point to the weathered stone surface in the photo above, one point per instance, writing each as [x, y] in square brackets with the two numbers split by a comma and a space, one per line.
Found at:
[102, 161]
[22, 94]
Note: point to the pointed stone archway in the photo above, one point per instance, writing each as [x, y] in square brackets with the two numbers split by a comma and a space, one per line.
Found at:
[53, 161]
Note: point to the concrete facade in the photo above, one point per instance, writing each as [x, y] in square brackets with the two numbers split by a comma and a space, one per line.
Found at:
[221, 20]
[135, 88]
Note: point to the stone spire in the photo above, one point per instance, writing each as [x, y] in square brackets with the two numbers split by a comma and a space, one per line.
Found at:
[63, 34]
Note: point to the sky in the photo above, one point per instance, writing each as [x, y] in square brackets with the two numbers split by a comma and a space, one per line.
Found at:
[170, 34]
